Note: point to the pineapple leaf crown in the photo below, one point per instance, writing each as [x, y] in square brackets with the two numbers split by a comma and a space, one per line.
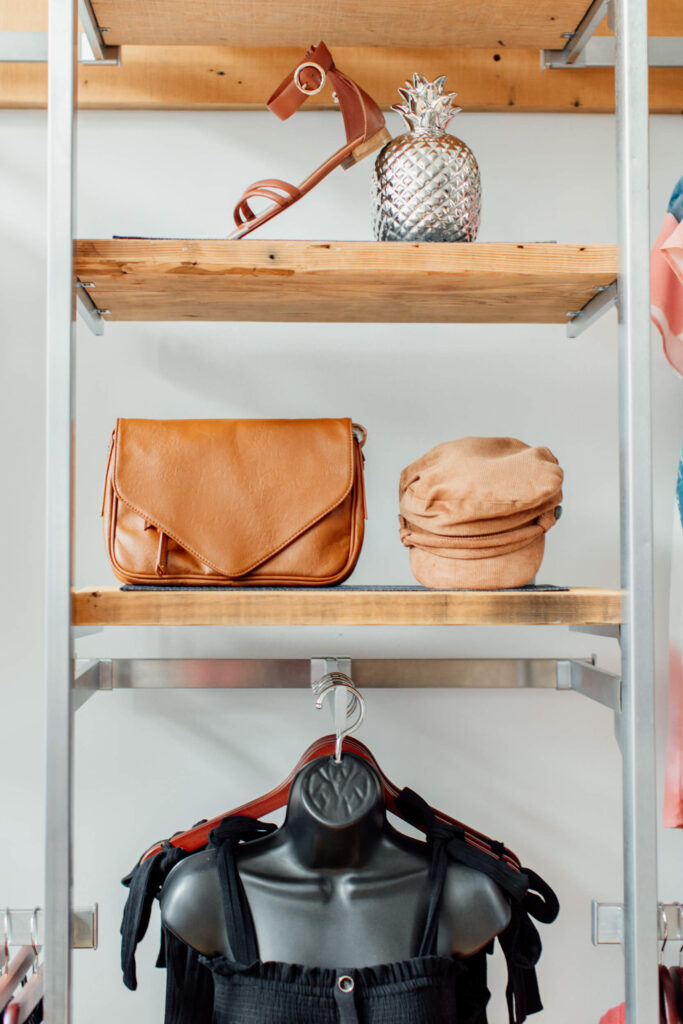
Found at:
[426, 104]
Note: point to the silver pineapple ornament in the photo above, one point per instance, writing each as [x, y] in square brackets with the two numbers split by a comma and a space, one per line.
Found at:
[426, 183]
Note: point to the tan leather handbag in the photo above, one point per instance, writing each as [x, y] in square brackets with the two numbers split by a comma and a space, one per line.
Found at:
[234, 502]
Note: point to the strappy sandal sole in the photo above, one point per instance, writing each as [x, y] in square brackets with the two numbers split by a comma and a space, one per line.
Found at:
[364, 149]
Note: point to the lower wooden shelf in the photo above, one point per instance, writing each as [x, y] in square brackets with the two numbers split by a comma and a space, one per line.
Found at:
[345, 606]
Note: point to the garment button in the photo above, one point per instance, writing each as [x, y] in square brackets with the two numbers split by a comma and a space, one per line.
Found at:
[345, 1000]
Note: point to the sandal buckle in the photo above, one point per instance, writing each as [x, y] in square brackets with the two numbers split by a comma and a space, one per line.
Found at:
[302, 88]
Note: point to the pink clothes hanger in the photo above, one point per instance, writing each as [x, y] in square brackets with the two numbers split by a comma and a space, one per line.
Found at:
[21, 1008]
[15, 971]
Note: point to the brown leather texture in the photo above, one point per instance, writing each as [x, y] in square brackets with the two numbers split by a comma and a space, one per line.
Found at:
[234, 502]
[362, 116]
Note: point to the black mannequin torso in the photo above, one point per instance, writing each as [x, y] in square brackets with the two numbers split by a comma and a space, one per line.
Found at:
[336, 884]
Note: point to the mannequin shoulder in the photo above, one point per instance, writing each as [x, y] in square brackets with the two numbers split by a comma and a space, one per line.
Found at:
[191, 905]
[474, 910]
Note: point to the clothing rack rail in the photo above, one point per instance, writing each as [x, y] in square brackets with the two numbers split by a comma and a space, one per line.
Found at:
[582, 675]
[27, 927]
[608, 923]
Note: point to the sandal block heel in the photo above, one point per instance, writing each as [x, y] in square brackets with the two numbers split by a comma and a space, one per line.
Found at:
[370, 145]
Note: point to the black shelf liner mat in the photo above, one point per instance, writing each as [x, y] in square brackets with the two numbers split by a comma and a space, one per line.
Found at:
[533, 588]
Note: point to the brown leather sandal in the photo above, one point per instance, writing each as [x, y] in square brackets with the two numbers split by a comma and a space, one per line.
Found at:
[363, 121]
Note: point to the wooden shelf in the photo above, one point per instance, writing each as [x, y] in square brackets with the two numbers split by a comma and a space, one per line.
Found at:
[537, 23]
[493, 78]
[111, 606]
[360, 282]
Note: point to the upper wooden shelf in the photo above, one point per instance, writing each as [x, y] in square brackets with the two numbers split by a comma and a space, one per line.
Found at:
[226, 76]
[536, 23]
[360, 282]
[343, 606]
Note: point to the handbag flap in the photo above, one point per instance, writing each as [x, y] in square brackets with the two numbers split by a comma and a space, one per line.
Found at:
[233, 492]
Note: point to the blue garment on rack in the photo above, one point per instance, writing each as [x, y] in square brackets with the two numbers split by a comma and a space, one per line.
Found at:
[676, 202]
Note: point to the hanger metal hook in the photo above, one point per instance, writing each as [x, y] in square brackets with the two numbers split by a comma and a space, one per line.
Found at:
[679, 911]
[7, 930]
[341, 678]
[665, 932]
[34, 938]
[330, 687]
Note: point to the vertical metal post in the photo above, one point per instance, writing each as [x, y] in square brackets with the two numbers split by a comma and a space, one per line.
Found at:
[636, 722]
[59, 384]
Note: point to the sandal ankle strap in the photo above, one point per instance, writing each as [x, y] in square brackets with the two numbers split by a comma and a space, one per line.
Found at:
[362, 117]
[307, 79]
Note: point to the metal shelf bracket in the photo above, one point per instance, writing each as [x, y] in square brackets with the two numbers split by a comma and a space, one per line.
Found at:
[88, 310]
[91, 676]
[321, 666]
[662, 52]
[613, 632]
[595, 308]
[584, 677]
[31, 48]
[577, 40]
[102, 53]
[607, 923]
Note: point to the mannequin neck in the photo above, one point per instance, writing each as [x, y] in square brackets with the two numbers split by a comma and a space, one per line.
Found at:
[336, 813]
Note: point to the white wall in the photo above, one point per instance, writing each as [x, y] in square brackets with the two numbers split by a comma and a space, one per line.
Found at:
[539, 770]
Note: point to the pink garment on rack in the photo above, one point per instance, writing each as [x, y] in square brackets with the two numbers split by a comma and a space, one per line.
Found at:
[666, 284]
[673, 783]
[672, 250]
[617, 1015]
[667, 314]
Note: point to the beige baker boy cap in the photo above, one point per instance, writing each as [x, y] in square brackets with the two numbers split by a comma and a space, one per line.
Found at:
[474, 512]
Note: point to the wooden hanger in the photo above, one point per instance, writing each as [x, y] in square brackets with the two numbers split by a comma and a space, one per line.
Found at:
[21, 1008]
[16, 971]
[677, 981]
[197, 838]
[668, 1008]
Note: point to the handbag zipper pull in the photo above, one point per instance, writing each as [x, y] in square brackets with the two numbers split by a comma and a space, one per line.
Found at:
[162, 554]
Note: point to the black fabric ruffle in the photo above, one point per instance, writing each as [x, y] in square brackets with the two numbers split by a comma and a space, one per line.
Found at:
[367, 979]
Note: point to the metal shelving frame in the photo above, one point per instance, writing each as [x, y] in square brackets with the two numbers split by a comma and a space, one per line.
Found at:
[634, 706]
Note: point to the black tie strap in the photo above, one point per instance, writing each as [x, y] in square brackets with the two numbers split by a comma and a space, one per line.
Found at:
[146, 879]
[529, 897]
[522, 947]
[541, 902]
[451, 839]
[238, 920]
[144, 882]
